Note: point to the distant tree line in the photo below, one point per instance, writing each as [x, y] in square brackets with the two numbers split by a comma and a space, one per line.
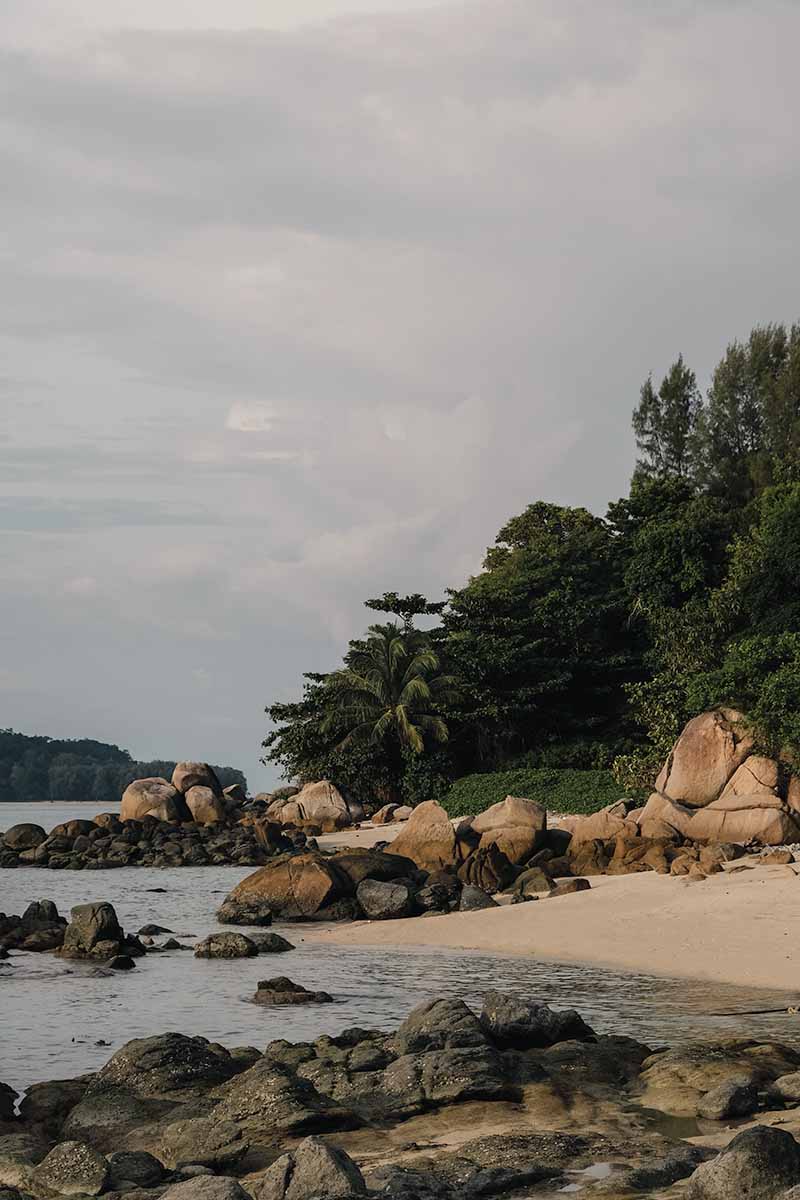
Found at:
[43, 768]
[588, 641]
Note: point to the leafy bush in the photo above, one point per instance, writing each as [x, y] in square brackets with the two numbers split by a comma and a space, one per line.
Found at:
[568, 791]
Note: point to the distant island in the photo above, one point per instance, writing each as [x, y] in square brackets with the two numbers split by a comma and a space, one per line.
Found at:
[72, 770]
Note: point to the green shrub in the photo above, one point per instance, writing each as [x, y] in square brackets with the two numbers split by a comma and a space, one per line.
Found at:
[568, 791]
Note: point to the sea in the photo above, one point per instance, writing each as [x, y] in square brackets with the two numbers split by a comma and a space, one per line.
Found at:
[61, 1019]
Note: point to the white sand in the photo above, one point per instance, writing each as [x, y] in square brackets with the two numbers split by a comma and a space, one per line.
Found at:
[740, 928]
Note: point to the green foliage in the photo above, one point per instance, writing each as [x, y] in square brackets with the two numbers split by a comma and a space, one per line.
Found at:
[388, 692]
[43, 768]
[761, 677]
[567, 791]
[665, 424]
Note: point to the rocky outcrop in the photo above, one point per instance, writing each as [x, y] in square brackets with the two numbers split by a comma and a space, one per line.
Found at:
[428, 839]
[24, 836]
[314, 1169]
[107, 842]
[153, 797]
[320, 805]
[311, 885]
[39, 928]
[188, 775]
[516, 826]
[205, 806]
[95, 933]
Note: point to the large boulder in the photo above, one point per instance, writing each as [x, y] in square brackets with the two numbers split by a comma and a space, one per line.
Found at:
[758, 1164]
[320, 804]
[313, 1169]
[296, 887]
[152, 797]
[167, 1066]
[660, 815]
[385, 901]
[365, 863]
[206, 807]
[95, 932]
[770, 826]
[24, 836]
[608, 823]
[516, 826]
[708, 752]
[516, 1024]
[428, 839]
[195, 774]
[72, 1169]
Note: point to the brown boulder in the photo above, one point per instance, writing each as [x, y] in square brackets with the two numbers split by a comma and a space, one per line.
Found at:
[768, 826]
[515, 825]
[607, 823]
[195, 774]
[757, 776]
[385, 815]
[363, 863]
[708, 752]
[659, 812]
[320, 804]
[152, 797]
[428, 839]
[297, 886]
[487, 868]
[588, 858]
[205, 806]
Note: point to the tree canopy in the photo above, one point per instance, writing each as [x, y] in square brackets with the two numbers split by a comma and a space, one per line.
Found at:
[587, 640]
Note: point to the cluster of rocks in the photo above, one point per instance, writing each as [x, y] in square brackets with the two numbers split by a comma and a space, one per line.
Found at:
[193, 794]
[362, 1114]
[431, 867]
[107, 842]
[93, 933]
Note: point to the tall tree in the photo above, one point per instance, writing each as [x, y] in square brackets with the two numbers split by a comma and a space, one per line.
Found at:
[542, 642]
[665, 424]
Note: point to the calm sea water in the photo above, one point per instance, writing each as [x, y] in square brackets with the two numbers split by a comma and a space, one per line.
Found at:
[55, 1014]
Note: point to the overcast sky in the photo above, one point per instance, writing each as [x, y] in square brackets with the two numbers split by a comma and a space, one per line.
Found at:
[302, 299]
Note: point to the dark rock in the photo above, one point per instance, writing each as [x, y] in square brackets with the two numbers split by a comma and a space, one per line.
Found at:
[134, 1167]
[206, 1187]
[474, 898]
[94, 932]
[203, 1141]
[566, 887]
[438, 1025]
[154, 930]
[757, 1165]
[122, 962]
[514, 1023]
[363, 863]
[72, 1168]
[281, 990]
[271, 943]
[487, 868]
[270, 1095]
[24, 836]
[168, 1066]
[47, 1104]
[385, 901]
[734, 1098]
[433, 898]
[226, 945]
[8, 1098]
[313, 1169]
[535, 881]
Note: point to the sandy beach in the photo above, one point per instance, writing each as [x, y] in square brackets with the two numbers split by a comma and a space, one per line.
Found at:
[738, 928]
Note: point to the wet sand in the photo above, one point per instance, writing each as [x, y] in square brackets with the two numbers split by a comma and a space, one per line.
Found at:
[738, 928]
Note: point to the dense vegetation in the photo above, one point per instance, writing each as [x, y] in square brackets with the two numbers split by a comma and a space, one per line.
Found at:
[562, 790]
[586, 642]
[43, 768]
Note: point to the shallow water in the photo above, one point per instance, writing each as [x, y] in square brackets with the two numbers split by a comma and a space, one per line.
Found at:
[54, 1013]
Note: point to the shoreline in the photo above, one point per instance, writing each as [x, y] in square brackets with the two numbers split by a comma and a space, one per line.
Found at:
[736, 929]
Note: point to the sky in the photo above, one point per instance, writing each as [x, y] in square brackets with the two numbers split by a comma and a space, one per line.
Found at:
[303, 299]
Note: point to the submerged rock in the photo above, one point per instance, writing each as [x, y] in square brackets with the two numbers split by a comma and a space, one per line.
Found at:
[281, 990]
[226, 945]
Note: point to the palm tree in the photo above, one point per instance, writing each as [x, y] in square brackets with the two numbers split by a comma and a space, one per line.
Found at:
[389, 690]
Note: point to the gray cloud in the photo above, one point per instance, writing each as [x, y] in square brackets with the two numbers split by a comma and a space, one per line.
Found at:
[295, 313]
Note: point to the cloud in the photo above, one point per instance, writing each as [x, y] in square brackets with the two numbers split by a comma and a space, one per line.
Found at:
[297, 313]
